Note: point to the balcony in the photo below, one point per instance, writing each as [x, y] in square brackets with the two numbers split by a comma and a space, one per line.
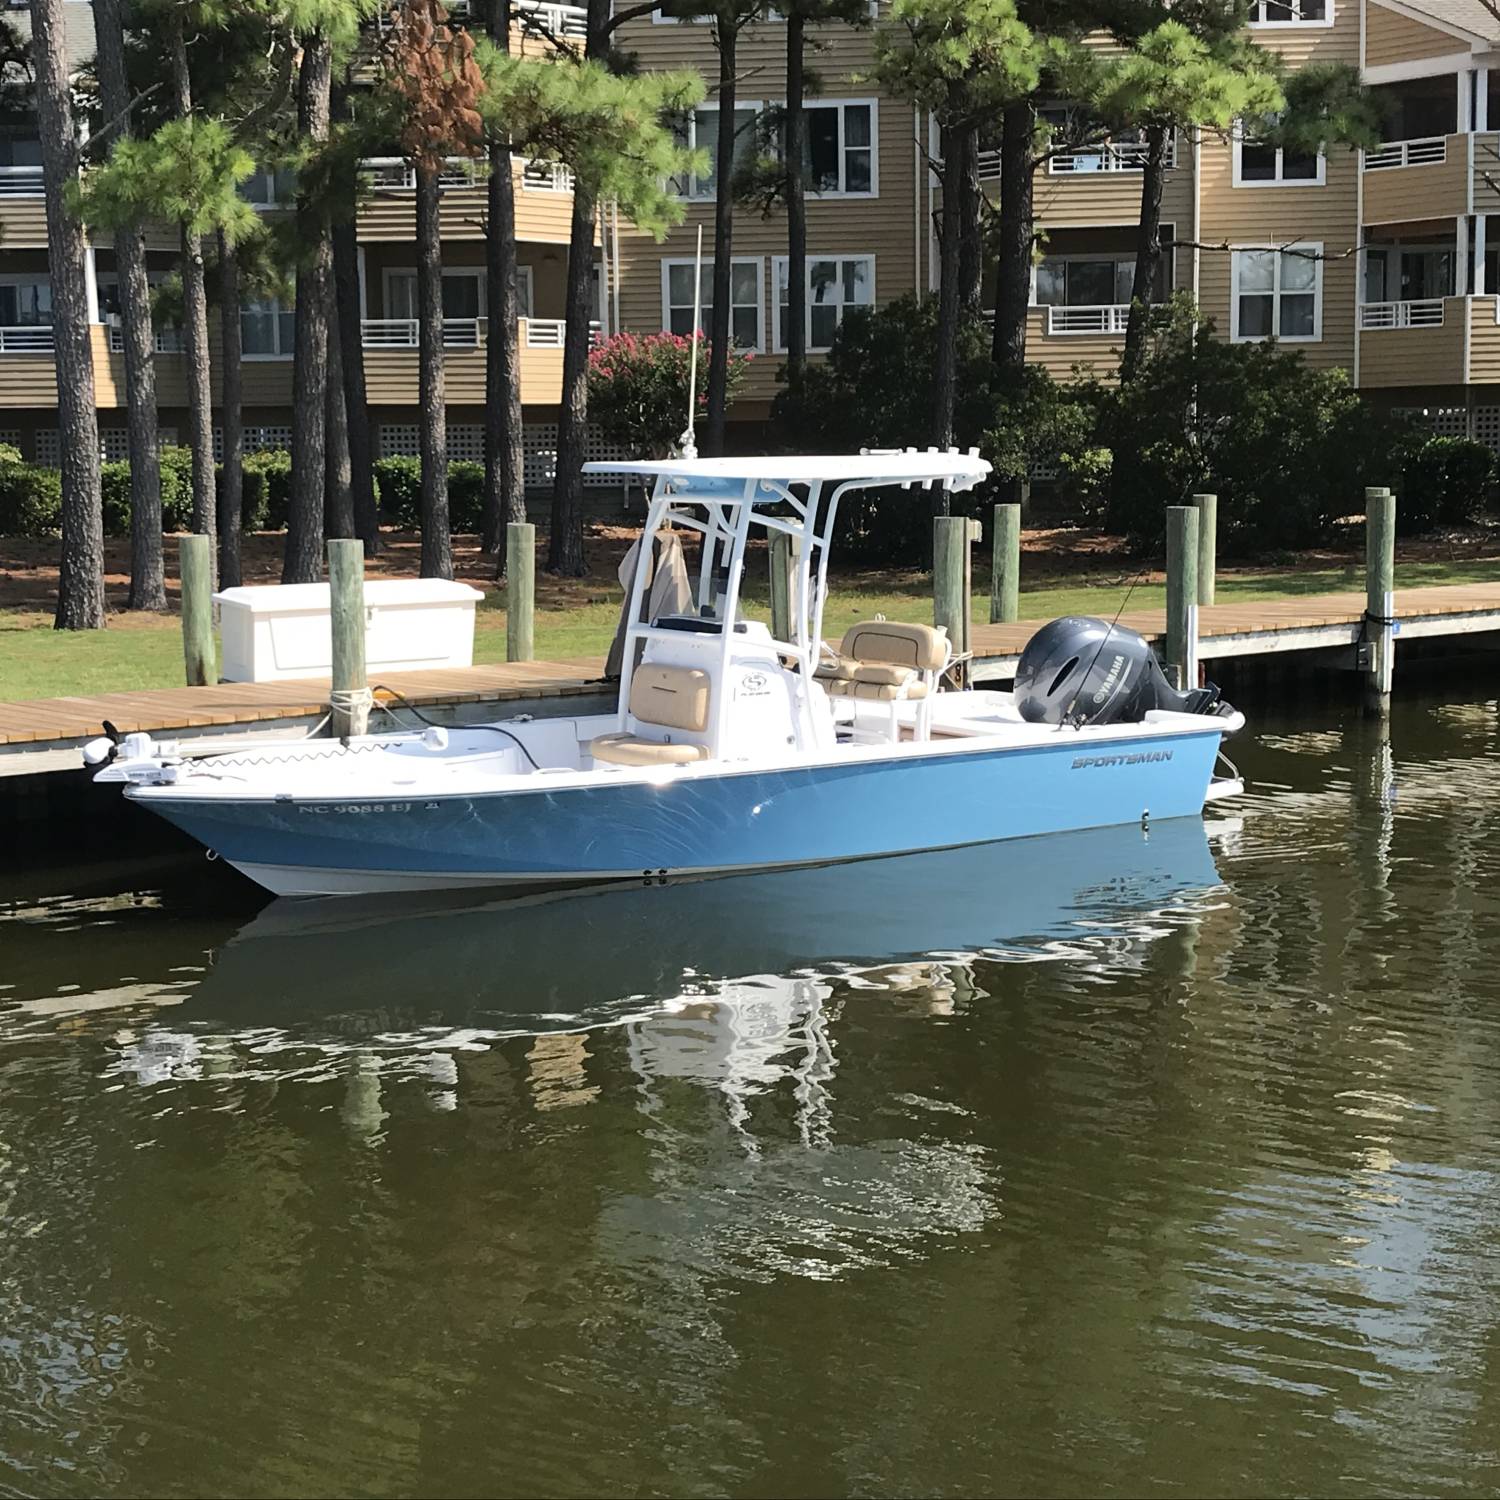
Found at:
[26, 339]
[1439, 341]
[21, 182]
[544, 208]
[1063, 322]
[166, 340]
[1432, 177]
[465, 333]
[538, 15]
[1099, 187]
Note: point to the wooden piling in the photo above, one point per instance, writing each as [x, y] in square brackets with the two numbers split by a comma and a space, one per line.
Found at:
[196, 565]
[1380, 597]
[348, 706]
[1208, 545]
[1182, 595]
[520, 591]
[1005, 567]
[950, 599]
[784, 555]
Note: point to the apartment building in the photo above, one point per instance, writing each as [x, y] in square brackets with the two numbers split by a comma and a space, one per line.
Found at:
[1378, 263]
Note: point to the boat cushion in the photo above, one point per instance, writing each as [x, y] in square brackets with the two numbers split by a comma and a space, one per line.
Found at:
[923, 648]
[674, 697]
[880, 692]
[632, 750]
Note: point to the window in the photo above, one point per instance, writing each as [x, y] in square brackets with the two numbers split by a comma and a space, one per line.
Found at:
[1278, 293]
[834, 285]
[525, 294]
[1409, 273]
[1096, 280]
[1258, 163]
[25, 303]
[269, 187]
[267, 329]
[463, 294]
[700, 131]
[1291, 12]
[839, 149]
[744, 299]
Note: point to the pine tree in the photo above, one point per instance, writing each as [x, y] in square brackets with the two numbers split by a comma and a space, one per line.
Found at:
[964, 60]
[80, 596]
[431, 70]
[147, 571]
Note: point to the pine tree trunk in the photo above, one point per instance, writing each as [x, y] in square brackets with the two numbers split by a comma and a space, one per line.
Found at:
[232, 419]
[349, 317]
[437, 543]
[715, 416]
[147, 573]
[1147, 252]
[338, 486]
[1013, 280]
[796, 204]
[504, 420]
[80, 593]
[195, 358]
[971, 235]
[565, 543]
[304, 533]
[950, 298]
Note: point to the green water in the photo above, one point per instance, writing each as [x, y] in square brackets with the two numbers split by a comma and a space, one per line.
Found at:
[1104, 1165]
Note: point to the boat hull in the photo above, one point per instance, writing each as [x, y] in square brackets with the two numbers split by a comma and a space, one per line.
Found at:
[624, 828]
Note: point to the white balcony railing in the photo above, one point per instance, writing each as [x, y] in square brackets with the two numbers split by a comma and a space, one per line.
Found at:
[1428, 313]
[405, 333]
[26, 339]
[548, 333]
[21, 182]
[394, 174]
[559, 20]
[1111, 319]
[1121, 156]
[166, 341]
[1429, 151]
[546, 177]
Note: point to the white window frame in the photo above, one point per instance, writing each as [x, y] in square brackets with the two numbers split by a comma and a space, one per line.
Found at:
[1167, 231]
[276, 307]
[841, 104]
[1278, 181]
[30, 278]
[1313, 247]
[779, 269]
[694, 193]
[758, 261]
[475, 273]
[1258, 8]
[525, 277]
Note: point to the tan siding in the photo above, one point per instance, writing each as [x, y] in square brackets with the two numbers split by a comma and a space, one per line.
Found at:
[392, 215]
[1484, 340]
[1487, 172]
[1297, 45]
[1396, 195]
[391, 376]
[1392, 38]
[1097, 354]
[1261, 216]
[1415, 356]
[1105, 198]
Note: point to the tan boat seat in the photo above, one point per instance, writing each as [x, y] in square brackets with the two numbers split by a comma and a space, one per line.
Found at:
[884, 660]
[633, 750]
[671, 698]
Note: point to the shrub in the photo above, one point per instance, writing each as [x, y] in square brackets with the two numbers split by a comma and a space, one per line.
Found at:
[638, 388]
[1287, 448]
[465, 495]
[267, 498]
[400, 481]
[30, 497]
[1444, 482]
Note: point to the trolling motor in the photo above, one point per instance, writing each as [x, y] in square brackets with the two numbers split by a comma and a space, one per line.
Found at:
[1080, 671]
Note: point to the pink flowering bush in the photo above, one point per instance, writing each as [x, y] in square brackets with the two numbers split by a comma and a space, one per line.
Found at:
[638, 388]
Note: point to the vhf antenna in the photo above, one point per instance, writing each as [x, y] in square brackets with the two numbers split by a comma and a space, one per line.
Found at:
[687, 442]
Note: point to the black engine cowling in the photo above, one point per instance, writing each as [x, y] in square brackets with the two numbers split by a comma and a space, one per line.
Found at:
[1078, 670]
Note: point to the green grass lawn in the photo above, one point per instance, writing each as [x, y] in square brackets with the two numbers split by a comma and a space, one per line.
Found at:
[146, 652]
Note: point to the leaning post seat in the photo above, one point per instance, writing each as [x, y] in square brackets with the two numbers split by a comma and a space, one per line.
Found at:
[887, 661]
[672, 700]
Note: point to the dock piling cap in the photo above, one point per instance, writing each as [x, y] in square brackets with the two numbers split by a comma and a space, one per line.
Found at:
[953, 470]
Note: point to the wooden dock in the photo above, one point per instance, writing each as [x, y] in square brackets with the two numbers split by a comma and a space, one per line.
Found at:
[1267, 626]
[45, 734]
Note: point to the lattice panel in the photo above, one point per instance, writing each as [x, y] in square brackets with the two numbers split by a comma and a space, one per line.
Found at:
[10, 436]
[541, 457]
[465, 442]
[48, 449]
[1487, 426]
[399, 440]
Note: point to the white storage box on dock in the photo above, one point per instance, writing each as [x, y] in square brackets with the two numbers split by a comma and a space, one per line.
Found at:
[282, 631]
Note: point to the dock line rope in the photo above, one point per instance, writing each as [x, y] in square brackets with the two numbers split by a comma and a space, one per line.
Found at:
[412, 709]
[349, 700]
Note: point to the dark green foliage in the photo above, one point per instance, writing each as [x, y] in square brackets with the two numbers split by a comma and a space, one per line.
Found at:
[871, 392]
[267, 497]
[30, 497]
[1445, 481]
[400, 482]
[1287, 448]
[176, 493]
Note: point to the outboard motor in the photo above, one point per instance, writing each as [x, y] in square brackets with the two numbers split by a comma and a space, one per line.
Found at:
[1079, 670]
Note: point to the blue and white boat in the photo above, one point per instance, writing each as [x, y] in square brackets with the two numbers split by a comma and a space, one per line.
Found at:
[729, 749]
